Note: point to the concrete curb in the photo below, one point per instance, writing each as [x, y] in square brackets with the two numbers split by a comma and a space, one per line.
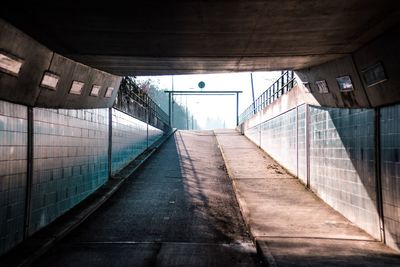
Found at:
[39, 243]
[262, 249]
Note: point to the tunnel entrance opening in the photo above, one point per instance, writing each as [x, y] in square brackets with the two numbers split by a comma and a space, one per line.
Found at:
[202, 93]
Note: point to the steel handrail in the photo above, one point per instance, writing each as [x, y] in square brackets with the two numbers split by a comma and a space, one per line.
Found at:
[282, 85]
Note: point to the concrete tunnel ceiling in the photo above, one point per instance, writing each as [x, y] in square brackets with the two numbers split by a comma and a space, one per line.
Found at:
[177, 37]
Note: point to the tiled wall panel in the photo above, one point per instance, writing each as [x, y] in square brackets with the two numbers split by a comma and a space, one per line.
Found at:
[390, 172]
[154, 134]
[254, 134]
[279, 139]
[342, 163]
[13, 168]
[342, 159]
[70, 160]
[301, 143]
[129, 139]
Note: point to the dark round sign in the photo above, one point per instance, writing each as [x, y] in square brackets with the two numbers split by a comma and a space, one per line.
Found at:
[202, 84]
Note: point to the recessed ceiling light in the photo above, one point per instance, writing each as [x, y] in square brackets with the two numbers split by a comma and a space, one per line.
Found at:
[322, 87]
[344, 83]
[109, 91]
[95, 90]
[50, 80]
[76, 88]
[10, 64]
[307, 85]
[374, 74]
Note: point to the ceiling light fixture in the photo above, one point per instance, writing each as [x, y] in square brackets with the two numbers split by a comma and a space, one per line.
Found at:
[50, 80]
[109, 92]
[10, 64]
[76, 88]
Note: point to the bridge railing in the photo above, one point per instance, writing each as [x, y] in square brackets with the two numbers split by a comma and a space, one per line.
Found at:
[143, 108]
[282, 85]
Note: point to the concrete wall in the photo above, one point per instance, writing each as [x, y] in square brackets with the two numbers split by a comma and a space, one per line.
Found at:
[383, 50]
[329, 72]
[333, 151]
[297, 96]
[69, 161]
[25, 88]
[13, 169]
[386, 51]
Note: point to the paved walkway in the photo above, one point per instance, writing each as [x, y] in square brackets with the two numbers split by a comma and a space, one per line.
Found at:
[291, 225]
[180, 209]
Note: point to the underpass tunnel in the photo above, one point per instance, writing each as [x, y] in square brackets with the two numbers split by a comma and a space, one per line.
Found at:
[72, 118]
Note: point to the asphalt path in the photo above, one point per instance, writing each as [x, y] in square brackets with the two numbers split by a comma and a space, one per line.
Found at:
[179, 209]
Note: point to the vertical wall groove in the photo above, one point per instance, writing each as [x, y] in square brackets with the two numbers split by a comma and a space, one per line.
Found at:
[147, 126]
[307, 146]
[379, 200]
[29, 172]
[297, 141]
[110, 124]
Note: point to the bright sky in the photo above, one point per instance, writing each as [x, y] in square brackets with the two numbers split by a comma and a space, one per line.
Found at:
[217, 107]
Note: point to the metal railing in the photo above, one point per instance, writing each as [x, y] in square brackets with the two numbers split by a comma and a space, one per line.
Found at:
[143, 108]
[282, 85]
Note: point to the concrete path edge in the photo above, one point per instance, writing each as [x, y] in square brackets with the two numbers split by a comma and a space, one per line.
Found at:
[262, 249]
